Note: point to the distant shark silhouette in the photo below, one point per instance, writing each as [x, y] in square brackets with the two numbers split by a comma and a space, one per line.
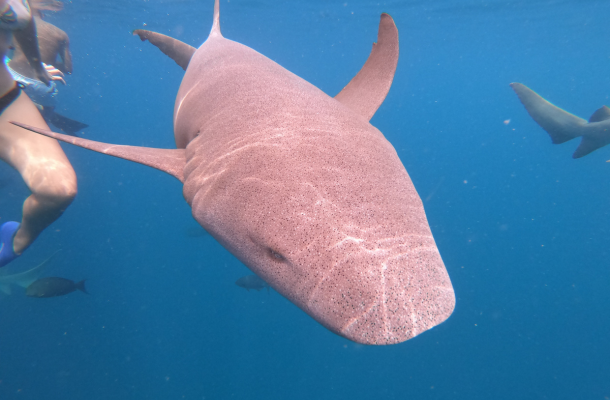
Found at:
[563, 126]
[23, 279]
[300, 186]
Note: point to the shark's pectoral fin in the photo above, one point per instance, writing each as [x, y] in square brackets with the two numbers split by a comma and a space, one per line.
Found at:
[171, 161]
[601, 114]
[367, 90]
[178, 51]
[559, 124]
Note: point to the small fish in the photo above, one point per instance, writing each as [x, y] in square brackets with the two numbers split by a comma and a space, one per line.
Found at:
[54, 286]
[252, 282]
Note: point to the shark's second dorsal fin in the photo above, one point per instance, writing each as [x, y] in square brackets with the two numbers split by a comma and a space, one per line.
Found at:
[367, 90]
[178, 51]
[601, 114]
[171, 161]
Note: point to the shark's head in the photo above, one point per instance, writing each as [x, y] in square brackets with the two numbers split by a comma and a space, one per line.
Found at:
[338, 229]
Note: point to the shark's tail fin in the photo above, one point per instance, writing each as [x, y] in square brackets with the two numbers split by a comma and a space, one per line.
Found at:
[559, 124]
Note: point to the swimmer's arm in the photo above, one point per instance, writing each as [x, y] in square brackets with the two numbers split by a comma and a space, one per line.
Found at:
[15, 14]
[28, 41]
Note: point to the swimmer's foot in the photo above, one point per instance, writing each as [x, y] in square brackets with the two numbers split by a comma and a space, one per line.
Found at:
[7, 232]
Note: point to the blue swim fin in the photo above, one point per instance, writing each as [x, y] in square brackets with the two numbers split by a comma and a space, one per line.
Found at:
[7, 232]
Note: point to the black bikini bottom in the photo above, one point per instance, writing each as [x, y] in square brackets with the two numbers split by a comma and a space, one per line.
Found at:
[9, 97]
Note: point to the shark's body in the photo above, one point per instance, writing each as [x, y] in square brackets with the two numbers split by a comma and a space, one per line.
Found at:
[302, 188]
[563, 126]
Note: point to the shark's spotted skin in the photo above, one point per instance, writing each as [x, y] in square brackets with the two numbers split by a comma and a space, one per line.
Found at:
[302, 188]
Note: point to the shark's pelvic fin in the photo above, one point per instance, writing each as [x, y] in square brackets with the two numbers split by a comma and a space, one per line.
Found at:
[171, 161]
[367, 90]
[178, 51]
[600, 115]
[559, 124]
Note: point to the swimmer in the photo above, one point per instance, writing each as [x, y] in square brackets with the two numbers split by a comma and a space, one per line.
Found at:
[40, 160]
[54, 45]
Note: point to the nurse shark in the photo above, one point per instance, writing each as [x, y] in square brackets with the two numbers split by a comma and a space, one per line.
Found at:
[300, 187]
[563, 126]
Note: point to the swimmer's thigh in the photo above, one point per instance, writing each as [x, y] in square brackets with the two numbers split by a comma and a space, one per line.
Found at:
[39, 159]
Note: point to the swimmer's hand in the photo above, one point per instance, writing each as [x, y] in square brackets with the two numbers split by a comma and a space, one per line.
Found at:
[43, 75]
[54, 73]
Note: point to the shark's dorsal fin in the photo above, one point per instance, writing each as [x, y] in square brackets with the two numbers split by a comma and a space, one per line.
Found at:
[216, 25]
[171, 161]
[178, 51]
[367, 90]
[601, 114]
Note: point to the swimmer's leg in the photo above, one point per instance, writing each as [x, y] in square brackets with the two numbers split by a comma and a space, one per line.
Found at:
[42, 165]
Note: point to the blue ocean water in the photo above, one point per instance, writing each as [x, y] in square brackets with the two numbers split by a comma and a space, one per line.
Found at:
[522, 227]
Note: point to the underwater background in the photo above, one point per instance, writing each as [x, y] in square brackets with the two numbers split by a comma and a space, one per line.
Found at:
[523, 228]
